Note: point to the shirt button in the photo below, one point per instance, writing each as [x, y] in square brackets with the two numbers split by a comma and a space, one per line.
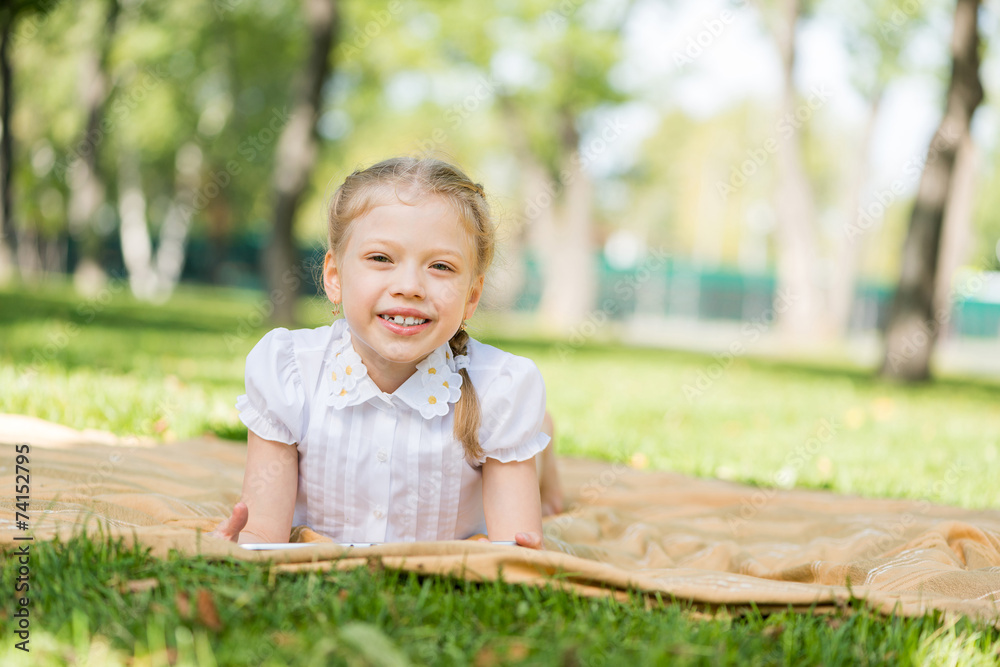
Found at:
[378, 514]
[382, 456]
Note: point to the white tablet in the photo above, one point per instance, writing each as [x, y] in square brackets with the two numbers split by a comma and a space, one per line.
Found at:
[275, 546]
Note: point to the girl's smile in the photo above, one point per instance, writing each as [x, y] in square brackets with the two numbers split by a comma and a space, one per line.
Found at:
[405, 321]
[407, 281]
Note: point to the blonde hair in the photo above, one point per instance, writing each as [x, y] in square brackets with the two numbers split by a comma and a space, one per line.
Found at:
[367, 188]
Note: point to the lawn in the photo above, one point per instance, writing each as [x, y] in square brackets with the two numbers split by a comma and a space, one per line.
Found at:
[174, 371]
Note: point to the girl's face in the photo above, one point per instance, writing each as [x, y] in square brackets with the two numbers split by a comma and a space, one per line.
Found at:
[407, 280]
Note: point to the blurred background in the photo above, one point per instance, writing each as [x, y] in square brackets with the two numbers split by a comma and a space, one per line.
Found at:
[731, 177]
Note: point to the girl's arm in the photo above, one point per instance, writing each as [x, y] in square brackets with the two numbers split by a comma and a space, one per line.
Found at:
[270, 483]
[511, 502]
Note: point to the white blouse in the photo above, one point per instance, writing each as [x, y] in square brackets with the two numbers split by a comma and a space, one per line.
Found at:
[378, 467]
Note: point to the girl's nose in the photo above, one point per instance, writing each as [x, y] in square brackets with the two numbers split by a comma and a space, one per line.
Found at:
[408, 282]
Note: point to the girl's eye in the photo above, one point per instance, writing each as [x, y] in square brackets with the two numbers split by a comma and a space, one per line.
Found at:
[441, 266]
[379, 258]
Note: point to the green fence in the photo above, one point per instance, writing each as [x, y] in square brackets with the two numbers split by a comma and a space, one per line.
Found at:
[668, 287]
[676, 288]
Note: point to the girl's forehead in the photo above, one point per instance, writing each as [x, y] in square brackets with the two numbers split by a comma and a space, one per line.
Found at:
[431, 212]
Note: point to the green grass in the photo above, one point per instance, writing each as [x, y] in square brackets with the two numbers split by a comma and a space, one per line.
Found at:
[98, 602]
[174, 371]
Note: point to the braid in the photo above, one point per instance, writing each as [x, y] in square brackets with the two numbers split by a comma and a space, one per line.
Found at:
[467, 414]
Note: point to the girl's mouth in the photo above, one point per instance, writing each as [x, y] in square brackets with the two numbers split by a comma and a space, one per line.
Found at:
[404, 321]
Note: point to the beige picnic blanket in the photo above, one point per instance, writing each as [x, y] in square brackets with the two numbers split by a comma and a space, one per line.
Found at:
[710, 542]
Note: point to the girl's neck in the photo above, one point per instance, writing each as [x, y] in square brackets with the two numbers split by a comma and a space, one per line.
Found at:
[387, 375]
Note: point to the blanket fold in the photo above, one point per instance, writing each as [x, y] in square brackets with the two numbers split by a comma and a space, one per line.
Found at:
[710, 542]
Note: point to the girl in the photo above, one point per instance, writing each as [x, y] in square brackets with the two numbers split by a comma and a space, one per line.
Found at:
[392, 424]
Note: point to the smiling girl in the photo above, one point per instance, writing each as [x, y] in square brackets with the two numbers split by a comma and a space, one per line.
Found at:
[392, 424]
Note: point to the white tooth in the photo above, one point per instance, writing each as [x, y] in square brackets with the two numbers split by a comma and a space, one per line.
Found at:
[410, 322]
[398, 319]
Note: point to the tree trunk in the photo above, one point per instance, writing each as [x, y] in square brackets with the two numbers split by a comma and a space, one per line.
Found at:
[83, 174]
[856, 229]
[153, 277]
[8, 235]
[296, 156]
[956, 233]
[137, 246]
[799, 298]
[509, 278]
[562, 237]
[914, 324]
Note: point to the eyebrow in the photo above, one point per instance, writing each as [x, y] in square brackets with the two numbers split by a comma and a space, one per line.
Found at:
[433, 251]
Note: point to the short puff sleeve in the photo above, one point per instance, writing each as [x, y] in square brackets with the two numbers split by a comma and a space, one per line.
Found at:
[513, 409]
[273, 406]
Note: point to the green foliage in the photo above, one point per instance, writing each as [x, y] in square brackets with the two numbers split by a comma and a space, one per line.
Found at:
[214, 79]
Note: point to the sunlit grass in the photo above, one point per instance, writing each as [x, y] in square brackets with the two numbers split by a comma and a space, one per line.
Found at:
[174, 371]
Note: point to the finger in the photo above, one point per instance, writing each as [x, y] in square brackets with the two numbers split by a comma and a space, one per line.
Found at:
[529, 540]
[238, 521]
[229, 529]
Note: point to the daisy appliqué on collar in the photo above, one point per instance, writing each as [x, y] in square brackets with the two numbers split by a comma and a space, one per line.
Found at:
[431, 390]
[346, 376]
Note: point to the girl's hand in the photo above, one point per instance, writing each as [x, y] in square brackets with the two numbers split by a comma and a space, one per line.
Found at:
[229, 529]
[529, 540]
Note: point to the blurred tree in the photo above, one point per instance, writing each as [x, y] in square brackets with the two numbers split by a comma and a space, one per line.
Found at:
[802, 300]
[296, 158]
[914, 321]
[875, 34]
[197, 111]
[10, 13]
[84, 175]
[549, 66]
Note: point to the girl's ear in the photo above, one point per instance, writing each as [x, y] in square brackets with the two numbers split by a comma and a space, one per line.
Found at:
[475, 293]
[331, 278]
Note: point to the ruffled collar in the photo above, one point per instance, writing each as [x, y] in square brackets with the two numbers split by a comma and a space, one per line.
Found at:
[430, 390]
